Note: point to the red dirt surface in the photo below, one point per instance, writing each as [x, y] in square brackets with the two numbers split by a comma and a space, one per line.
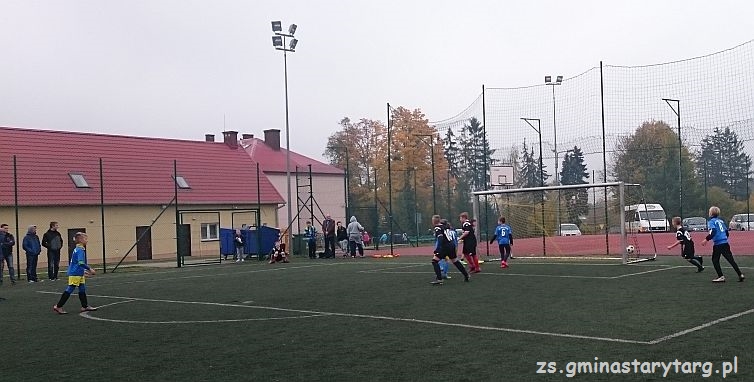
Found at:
[741, 243]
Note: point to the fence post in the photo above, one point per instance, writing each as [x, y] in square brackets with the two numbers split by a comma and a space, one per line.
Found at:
[177, 214]
[15, 203]
[102, 215]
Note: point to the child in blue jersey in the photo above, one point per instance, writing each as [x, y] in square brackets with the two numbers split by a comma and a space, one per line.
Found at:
[78, 269]
[504, 237]
[718, 233]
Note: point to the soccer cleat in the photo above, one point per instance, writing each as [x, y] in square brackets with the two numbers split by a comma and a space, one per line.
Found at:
[467, 279]
[741, 277]
[720, 279]
[699, 269]
[88, 309]
[504, 264]
[436, 282]
[58, 310]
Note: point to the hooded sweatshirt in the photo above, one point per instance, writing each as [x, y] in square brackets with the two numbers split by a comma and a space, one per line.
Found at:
[354, 230]
[31, 243]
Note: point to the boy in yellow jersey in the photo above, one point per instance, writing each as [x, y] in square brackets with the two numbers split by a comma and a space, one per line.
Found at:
[78, 269]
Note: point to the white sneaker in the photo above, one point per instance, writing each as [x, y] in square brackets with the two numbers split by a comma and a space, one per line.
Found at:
[238, 261]
[243, 259]
[720, 279]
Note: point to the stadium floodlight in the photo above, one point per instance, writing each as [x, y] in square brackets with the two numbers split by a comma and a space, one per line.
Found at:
[677, 112]
[278, 41]
[558, 81]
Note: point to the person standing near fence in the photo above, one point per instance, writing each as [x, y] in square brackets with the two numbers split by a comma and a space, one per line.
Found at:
[310, 235]
[342, 236]
[7, 241]
[238, 242]
[78, 269]
[33, 248]
[53, 241]
[328, 231]
[354, 237]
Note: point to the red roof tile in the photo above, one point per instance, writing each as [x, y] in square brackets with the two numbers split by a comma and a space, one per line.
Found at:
[136, 170]
[273, 161]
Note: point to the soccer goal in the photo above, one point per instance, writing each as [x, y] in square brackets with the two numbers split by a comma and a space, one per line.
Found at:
[570, 221]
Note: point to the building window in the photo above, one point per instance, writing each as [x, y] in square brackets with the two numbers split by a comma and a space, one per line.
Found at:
[210, 231]
[78, 180]
[182, 183]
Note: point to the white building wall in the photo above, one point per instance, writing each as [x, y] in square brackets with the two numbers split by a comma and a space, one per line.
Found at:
[328, 194]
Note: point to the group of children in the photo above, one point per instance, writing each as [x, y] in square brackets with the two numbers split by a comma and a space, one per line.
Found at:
[718, 234]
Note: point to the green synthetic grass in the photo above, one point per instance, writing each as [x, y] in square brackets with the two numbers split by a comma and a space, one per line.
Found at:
[373, 320]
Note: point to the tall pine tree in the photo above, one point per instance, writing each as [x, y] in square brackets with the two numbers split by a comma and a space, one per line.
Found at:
[573, 171]
[725, 164]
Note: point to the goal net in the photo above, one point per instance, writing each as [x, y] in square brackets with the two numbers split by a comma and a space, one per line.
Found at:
[598, 220]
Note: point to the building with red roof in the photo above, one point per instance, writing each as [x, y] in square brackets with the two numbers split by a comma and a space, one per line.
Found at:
[82, 180]
[311, 199]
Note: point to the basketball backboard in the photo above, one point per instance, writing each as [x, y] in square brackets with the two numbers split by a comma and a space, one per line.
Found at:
[501, 176]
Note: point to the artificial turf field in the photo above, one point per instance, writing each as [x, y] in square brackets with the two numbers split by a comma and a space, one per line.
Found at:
[381, 320]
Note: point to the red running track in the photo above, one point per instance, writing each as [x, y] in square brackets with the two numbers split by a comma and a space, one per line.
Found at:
[741, 243]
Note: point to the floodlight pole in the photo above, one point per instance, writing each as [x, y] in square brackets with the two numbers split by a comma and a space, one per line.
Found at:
[432, 155]
[677, 111]
[538, 129]
[287, 133]
[555, 138]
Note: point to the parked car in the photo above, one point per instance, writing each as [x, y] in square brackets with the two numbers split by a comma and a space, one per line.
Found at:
[696, 223]
[742, 222]
[569, 230]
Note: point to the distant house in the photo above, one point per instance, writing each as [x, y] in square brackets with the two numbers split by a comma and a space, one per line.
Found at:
[327, 184]
[57, 178]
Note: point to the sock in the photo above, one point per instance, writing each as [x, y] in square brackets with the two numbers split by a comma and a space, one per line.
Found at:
[63, 299]
[82, 297]
[476, 262]
[461, 268]
[436, 266]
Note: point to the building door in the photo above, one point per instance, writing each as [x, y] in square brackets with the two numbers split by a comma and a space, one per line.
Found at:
[184, 240]
[144, 244]
[72, 240]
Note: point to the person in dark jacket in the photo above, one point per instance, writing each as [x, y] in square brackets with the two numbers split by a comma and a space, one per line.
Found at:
[53, 241]
[342, 236]
[239, 243]
[7, 241]
[33, 248]
[328, 232]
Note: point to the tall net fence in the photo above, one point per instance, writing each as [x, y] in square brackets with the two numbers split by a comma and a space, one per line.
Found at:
[620, 123]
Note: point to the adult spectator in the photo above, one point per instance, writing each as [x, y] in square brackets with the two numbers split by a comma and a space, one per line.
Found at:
[7, 241]
[33, 248]
[354, 237]
[53, 241]
[328, 232]
[342, 236]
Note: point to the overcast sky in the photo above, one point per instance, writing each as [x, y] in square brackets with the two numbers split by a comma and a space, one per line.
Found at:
[175, 68]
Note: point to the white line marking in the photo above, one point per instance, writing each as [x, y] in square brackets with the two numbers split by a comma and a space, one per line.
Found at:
[509, 274]
[645, 272]
[700, 327]
[313, 313]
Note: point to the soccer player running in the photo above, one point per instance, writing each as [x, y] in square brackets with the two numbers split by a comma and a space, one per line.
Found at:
[683, 238]
[78, 269]
[469, 243]
[504, 236]
[718, 233]
[444, 247]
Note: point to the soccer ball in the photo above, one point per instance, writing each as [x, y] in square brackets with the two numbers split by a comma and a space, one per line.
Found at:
[630, 249]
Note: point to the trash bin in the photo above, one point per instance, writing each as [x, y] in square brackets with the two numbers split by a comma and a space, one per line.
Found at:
[299, 245]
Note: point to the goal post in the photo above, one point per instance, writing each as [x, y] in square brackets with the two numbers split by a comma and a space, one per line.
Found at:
[570, 221]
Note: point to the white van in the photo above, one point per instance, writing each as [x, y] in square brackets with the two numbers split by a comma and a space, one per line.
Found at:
[645, 218]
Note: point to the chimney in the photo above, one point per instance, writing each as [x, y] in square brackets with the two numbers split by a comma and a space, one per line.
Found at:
[247, 136]
[272, 138]
[230, 138]
[209, 137]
